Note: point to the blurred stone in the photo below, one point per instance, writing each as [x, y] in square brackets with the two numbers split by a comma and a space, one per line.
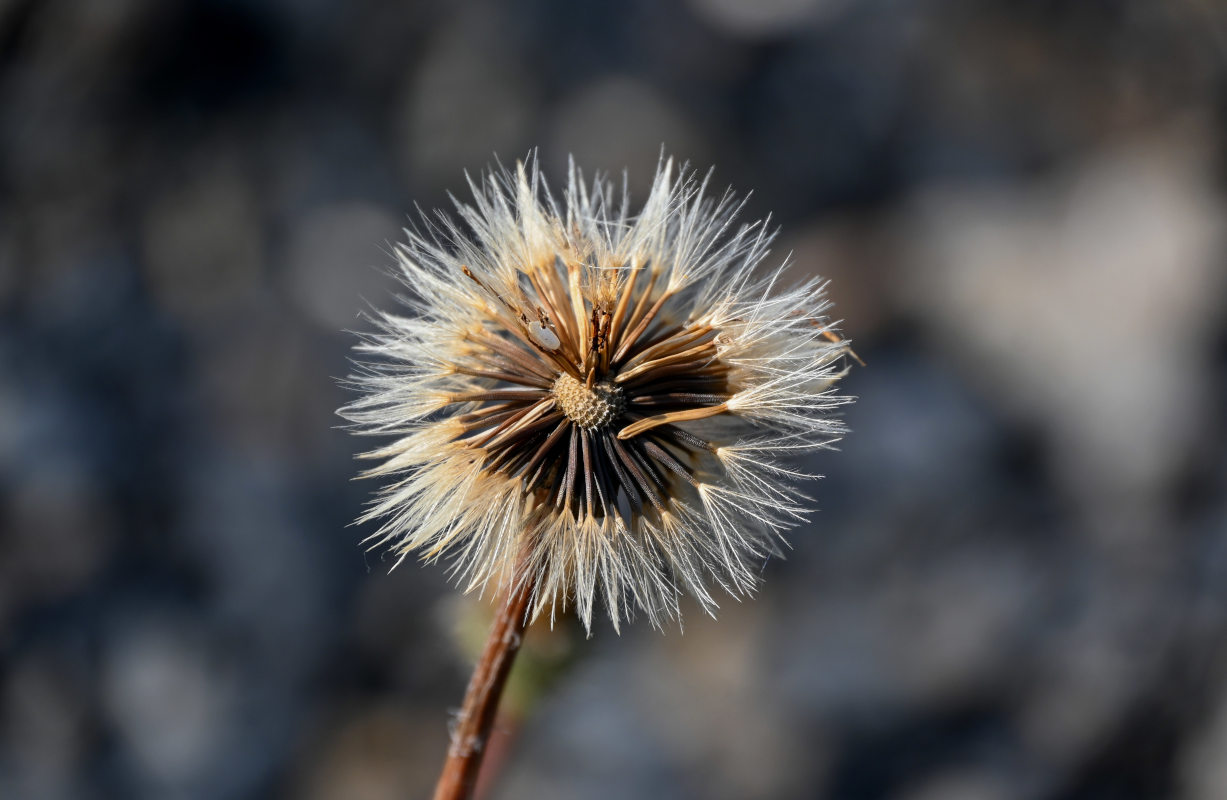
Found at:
[950, 631]
[8, 262]
[968, 784]
[931, 632]
[1084, 305]
[710, 694]
[171, 700]
[58, 531]
[467, 101]
[591, 740]
[853, 254]
[203, 244]
[340, 260]
[243, 525]
[763, 18]
[618, 124]
[1096, 659]
[44, 729]
[251, 371]
[387, 637]
[911, 413]
[376, 753]
[692, 713]
[1202, 771]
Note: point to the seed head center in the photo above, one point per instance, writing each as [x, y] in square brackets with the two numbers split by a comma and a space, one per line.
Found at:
[588, 408]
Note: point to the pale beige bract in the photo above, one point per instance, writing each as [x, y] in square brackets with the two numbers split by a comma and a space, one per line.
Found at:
[608, 396]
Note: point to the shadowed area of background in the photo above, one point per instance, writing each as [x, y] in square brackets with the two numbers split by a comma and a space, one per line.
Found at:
[1016, 587]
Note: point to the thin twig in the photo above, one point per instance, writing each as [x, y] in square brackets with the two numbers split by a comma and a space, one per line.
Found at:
[472, 731]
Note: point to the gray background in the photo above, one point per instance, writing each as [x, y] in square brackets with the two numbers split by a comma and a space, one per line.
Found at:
[1015, 587]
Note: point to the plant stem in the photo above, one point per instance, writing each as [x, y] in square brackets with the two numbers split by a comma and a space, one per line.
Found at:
[476, 717]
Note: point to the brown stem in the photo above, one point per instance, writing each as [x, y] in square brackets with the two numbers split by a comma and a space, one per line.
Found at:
[476, 717]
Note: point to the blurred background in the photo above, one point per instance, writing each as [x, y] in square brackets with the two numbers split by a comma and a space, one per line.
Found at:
[1016, 588]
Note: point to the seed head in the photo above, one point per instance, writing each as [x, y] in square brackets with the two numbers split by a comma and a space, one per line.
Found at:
[602, 395]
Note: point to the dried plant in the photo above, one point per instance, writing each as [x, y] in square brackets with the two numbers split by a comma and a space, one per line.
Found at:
[592, 403]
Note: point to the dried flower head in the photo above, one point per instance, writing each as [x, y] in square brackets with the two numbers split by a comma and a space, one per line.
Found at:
[601, 397]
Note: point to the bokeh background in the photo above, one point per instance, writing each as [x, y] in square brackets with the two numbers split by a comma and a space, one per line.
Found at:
[1016, 588]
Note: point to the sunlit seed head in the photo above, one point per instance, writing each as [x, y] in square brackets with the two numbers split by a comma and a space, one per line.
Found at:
[596, 395]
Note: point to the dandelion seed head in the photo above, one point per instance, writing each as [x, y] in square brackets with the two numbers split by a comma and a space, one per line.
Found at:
[596, 401]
